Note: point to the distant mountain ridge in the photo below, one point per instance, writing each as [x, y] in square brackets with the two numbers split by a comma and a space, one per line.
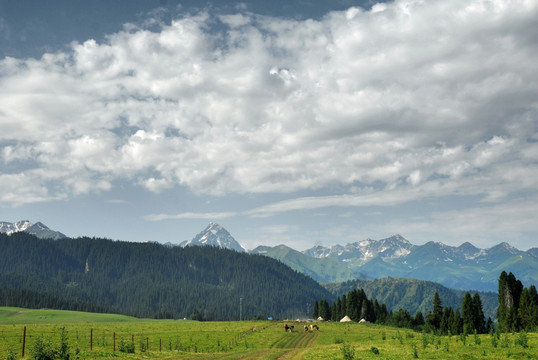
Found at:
[462, 267]
[38, 229]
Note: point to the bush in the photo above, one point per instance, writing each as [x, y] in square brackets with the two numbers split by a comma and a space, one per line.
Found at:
[43, 350]
[522, 340]
[63, 350]
[374, 350]
[126, 346]
[348, 351]
[11, 355]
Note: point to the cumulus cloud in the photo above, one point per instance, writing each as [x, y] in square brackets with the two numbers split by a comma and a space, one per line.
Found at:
[410, 99]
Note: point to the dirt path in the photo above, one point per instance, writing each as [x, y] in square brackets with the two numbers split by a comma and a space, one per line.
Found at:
[304, 342]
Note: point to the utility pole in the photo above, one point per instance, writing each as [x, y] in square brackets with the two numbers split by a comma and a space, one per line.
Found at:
[240, 308]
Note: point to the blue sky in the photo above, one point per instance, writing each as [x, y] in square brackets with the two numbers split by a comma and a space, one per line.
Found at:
[302, 123]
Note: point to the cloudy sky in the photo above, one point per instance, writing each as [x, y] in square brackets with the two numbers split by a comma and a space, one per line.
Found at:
[298, 122]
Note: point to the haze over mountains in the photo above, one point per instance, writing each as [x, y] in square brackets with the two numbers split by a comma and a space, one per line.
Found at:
[463, 267]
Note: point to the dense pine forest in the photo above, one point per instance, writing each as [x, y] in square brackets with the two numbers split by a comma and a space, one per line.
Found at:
[150, 279]
[413, 295]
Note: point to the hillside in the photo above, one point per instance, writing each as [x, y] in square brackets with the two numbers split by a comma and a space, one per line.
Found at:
[412, 295]
[322, 270]
[148, 279]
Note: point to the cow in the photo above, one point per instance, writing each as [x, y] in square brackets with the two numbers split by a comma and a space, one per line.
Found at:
[305, 328]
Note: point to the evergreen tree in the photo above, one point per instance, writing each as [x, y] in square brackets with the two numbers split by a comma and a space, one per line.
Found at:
[419, 320]
[510, 290]
[353, 306]
[315, 312]
[434, 318]
[324, 310]
[527, 310]
[467, 313]
[445, 320]
[456, 325]
[478, 315]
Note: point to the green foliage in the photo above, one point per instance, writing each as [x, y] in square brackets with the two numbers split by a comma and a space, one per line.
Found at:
[413, 295]
[477, 340]
[522, 340]
[415, 351]
[63, 349]
[348, 351]
[43, 350]
[374, 350]
[11, 355]
[128, 346]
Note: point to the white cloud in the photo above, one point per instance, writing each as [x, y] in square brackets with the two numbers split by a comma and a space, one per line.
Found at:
[190, 215]
[417, 98]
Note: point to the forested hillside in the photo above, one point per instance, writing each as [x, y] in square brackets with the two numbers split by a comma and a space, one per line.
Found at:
[412, 295]
[149, 279]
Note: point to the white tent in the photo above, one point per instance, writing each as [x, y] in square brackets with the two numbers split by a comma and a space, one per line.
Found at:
[363, 321]
[320, 319]
[345, 319]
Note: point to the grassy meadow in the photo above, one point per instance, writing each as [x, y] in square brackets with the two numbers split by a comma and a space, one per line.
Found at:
[183, 339]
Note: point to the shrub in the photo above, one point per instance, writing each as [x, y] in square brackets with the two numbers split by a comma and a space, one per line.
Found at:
[494, 340]
[126, 346]
[11, 355]
[374, 350]
[477, 340]
[505, 342]
[348, 351]
[63, 350]
[43, 350]
[522, 340]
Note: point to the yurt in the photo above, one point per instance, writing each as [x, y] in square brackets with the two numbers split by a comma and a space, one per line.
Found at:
[345, 319]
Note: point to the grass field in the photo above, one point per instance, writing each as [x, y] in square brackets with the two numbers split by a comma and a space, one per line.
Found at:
[181, 339]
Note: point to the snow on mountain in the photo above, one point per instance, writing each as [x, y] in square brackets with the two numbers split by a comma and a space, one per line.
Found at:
[214, 235]
[362, 251]
[10, 228]
[38, 229]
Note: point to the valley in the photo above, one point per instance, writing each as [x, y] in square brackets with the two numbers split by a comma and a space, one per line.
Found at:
[180, 339]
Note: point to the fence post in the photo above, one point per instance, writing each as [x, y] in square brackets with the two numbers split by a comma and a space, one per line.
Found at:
[23, 341]
[147, 344]
[160, 345]
[114, 341]
[91, 339]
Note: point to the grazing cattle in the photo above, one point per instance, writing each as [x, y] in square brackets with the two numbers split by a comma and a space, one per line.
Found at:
[286, 327]
[305, 328]
[312, 327]
[291, 328]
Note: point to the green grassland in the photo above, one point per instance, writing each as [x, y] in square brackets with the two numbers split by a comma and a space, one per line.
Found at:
[183, 339]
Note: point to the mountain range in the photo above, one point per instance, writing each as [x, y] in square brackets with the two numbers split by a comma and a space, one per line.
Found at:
[463, 267]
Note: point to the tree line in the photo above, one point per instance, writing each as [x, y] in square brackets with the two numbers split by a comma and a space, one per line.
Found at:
[518, 306]
[518, 310]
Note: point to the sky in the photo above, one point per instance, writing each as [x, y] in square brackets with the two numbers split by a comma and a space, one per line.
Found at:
[287, 122]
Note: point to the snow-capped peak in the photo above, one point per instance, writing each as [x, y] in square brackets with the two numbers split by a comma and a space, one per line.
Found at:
[215, 235]
[38, 229]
